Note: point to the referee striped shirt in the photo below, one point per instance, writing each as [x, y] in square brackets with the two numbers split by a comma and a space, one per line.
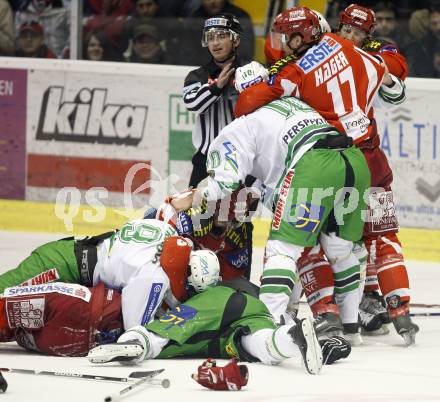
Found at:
[214, 106]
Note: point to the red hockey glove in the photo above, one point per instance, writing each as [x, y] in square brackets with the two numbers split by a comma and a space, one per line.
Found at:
[231, 377]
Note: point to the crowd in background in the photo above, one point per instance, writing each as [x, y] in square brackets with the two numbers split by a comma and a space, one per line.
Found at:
[169, 31]
[414, 26]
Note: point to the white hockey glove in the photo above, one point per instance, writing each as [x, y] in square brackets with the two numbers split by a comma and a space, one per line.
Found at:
[250, 74]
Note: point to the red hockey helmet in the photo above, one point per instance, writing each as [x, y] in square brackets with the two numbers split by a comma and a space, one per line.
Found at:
[359, 17]
[298, 20]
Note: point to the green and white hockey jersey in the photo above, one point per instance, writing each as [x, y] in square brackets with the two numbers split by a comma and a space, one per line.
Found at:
[264, 144]
[130, 260]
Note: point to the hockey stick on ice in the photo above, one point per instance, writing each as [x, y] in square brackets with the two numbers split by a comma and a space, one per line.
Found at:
[425, 305]
[131, 377]
[426, 314]
[165, 383]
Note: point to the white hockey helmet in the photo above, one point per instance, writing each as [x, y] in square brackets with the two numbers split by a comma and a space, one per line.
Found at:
[205, 269]
[323, 23]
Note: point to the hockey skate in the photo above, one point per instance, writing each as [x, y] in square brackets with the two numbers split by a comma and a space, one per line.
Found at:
[403, 324]
[327, 325]
[352, 334]
[304, 336]
[373, 303]
[371, 325]
[124, 352]
[373, 315]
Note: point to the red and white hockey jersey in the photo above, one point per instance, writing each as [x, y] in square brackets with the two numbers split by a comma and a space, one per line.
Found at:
[339, 80]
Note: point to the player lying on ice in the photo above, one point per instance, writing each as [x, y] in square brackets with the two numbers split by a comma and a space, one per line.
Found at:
[223, 321]
[145, 260]
[66, 319]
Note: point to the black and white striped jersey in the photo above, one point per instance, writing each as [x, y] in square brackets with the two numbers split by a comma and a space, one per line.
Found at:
[214, 106]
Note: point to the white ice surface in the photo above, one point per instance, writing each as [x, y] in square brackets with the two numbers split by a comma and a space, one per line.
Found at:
[380, 370]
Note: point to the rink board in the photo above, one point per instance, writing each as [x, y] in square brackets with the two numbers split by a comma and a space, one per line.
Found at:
[119, 134]
[418, 244]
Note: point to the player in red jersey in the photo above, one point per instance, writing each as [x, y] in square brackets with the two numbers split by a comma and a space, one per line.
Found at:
[332, 75]
[385, 266]
[338, 79]
[229, 239]
[384, 249]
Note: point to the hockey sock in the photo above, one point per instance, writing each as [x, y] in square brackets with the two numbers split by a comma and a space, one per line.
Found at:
[391, 271]
[346, 270]
[361, 253]
[271, 346]
[316, 277]
[371, 282]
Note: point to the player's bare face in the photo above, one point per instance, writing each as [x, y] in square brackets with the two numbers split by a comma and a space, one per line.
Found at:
[220, 45]
[294, 45]
[353, 34]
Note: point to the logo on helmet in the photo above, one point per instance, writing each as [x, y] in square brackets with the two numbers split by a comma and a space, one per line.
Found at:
[216, 22]
[296, 15]
[356, 13]
[204, 264]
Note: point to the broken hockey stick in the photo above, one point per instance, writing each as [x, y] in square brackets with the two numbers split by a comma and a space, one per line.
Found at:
[165, 383]
[131, 377]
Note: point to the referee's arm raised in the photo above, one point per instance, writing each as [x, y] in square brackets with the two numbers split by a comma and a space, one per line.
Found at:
[199, 93]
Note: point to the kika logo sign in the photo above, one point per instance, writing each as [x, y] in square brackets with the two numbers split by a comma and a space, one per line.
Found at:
[89, 118]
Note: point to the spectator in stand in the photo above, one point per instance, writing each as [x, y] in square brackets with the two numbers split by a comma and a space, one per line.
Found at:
[146, 46]
[30, 42]
[179, 8]
[150, 12]
[6, 29]
[108, 16]
[405, 7]
[208, 9]
[149, 8]
[391, 27]
[419, 21]
[96, 47]
[54, 20]
[424, 64]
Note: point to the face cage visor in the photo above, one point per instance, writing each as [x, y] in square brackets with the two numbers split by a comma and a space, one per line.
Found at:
[217, 33]
[278, 40]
